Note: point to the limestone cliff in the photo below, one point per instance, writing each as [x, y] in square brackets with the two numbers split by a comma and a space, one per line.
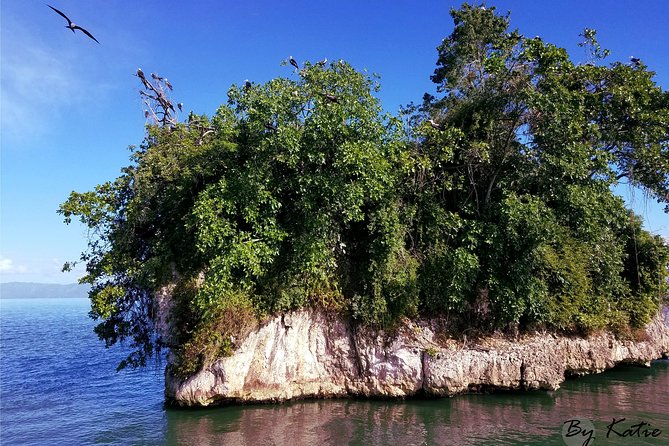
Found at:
[310, 353]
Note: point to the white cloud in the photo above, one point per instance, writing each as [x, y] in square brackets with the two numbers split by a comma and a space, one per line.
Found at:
[7, 267]
[5, 264]
[39, 269]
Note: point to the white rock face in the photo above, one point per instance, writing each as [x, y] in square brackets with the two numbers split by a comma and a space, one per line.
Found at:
[163, 303]
[309, 353]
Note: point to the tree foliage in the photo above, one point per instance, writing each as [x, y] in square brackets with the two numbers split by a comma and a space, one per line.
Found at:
[526, 145]
[493, 206]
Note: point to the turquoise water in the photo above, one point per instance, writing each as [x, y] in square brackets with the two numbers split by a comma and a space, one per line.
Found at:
[59, 386]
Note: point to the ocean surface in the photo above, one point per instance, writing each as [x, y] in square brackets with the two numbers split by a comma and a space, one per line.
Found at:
[59, 387]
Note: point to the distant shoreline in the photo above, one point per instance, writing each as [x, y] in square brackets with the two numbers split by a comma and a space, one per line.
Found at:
[34, 290]
[42, 297]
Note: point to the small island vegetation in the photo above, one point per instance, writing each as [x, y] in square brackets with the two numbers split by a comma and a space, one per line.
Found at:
[489, 204]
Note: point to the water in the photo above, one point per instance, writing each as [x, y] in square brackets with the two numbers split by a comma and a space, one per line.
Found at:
[59, 386]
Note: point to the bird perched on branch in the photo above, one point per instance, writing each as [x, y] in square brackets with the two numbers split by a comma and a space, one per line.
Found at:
[156, 77]
[293, 62]
[321, 63]
[72, 26]
[435, 125]
[635, 61]
[140, 75]
[332, 98]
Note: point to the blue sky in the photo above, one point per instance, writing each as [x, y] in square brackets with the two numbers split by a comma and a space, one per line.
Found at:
[70, 107]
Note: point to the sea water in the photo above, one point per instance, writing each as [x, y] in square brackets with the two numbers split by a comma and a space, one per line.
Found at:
[59, 386]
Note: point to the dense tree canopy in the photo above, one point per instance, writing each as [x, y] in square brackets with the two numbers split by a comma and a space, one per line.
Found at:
[489, 204]
[528, 146]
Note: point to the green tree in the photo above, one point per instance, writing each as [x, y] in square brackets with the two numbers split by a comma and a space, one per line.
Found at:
[289, 197]
[490, 203]
[526, 145]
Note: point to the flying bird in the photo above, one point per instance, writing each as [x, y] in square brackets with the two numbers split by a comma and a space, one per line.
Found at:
[293, 62]
[156, 77]
[72, 26]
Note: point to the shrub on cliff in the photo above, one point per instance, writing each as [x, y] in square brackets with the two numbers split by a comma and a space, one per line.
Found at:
[493, 206]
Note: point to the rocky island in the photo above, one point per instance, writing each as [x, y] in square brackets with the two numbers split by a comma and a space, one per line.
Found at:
[302, 242]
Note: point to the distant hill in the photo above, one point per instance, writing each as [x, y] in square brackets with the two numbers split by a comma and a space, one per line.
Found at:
[29, 290]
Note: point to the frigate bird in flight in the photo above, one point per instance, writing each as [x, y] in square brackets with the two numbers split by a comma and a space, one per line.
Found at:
[72, 26]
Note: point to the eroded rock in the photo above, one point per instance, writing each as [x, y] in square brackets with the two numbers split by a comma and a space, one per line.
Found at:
[310, 353]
